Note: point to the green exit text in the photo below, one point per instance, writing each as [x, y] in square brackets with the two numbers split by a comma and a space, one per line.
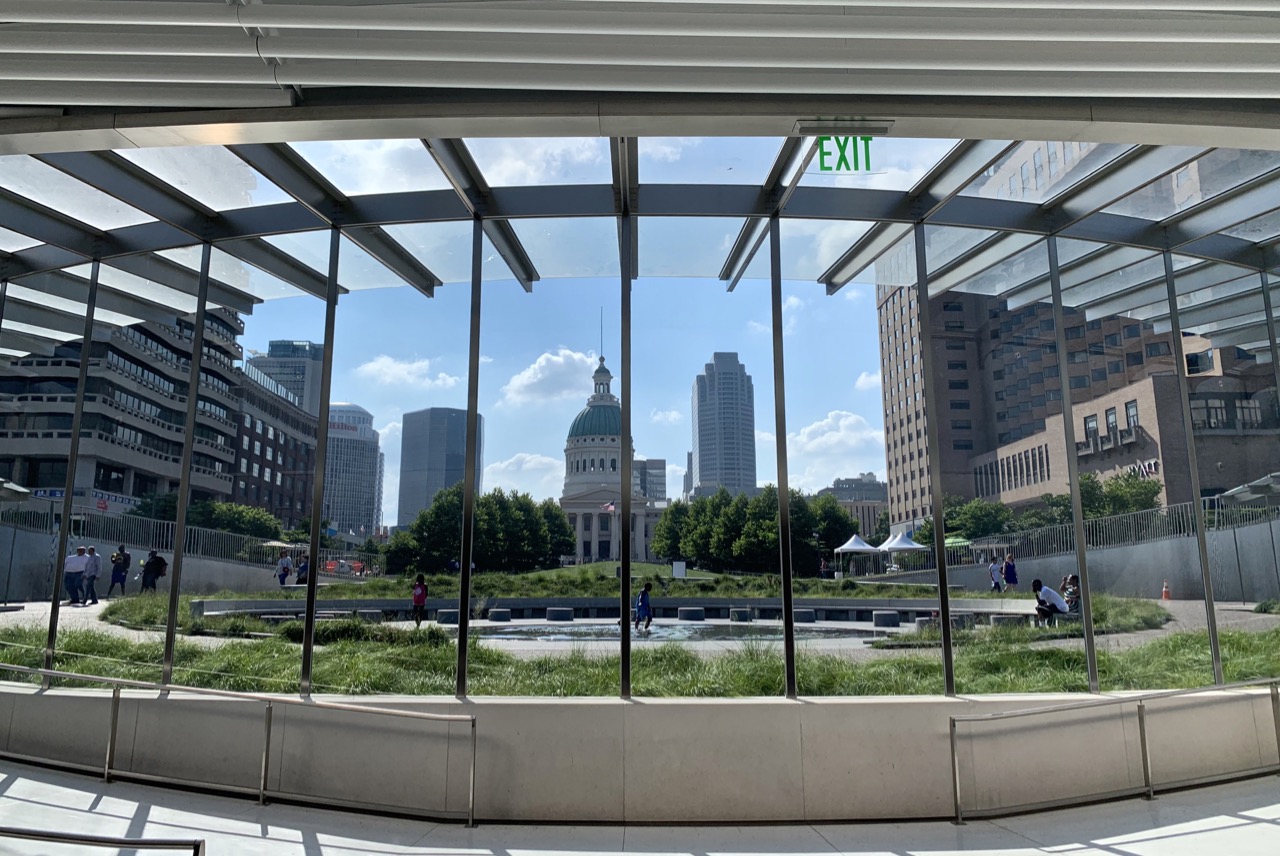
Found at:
[840, 154]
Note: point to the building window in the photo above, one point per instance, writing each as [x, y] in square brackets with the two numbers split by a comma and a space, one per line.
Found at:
[957, 384]
[962, 445]
[1158, 349]
[953, 345]
[1131, 414]
[961, 425]
[1112, 425]
[1115, 367]
[1099, 375]
[1091, 426]
[1079, 382]
[959, 405]
[1133, 358]
[1075, 332]
[957, 365]
[1131, 331]
[952, 306]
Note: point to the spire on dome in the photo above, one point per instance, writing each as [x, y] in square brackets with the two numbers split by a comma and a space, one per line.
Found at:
[602, 378]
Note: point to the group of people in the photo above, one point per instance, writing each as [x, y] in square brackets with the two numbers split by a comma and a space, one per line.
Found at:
[81, 569]
[1004, 573]
[284, 567]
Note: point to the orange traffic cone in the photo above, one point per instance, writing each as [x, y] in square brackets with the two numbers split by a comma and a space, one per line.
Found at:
[1165, 594]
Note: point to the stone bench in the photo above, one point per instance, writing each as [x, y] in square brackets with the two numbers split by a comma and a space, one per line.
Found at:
[446, 616]
[691, 613]
[886, 618]
[373, 616]
[740, 614]
[962, 620]
[804, 616]
[499, 615]
[925, 623]
[559, 613]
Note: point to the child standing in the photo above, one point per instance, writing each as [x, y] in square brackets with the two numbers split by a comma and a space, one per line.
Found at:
[643, 608]
[419, 601]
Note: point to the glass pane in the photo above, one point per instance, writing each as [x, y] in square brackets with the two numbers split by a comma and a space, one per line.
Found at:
[445, 248]
[41, 183]
[228, 269]
[360, 167]
[707, 160]
[542, 160]
[704, 393]
[145, 289]
[1035, 171]
[73, 307]
[1260, 229]
[359, 271]
[310, 248]
[571, 247]
[12, 242]
[211, 175]
[947, 244]
[1218, 171]
[895, 164]
[809, 247]
[685, 246]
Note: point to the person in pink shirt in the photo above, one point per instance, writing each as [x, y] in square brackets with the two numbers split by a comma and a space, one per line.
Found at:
[419, 600]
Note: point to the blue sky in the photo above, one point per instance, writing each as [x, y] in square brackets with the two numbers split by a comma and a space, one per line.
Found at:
[397, 350]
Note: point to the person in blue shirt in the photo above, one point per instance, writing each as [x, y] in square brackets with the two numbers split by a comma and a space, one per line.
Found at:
[643, 608]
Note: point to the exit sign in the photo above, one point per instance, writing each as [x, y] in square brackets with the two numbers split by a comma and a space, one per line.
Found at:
[844, 154]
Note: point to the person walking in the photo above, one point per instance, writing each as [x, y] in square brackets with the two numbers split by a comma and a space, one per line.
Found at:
[153, 569]
[283, 567]
[73, 568]
[1010, 573]
[121, 561]
[419, 600]
[643, 607]
[91, 572]
[996, 572]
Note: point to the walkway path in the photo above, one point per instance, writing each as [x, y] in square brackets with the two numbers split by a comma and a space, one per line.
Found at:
[1241, 819]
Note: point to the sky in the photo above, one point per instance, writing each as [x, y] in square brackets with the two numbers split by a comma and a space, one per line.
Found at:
[397, 350]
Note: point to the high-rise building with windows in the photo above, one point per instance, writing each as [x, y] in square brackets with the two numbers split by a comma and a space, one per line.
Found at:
[277, 446]
[724, 428]
[652, 474]
[296, 367]
[353, 472]
[433, 456]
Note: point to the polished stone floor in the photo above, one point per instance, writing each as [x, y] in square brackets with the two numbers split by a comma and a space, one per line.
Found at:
[1238, 819]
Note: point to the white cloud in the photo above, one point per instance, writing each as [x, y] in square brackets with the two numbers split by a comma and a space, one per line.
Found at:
[867, 381]
[791, 307]
[665, 417]
[385, 370]
[764, 436]
[666, 149]
[856, 291]
[537, 475]
[484, 359]
[839, 445]
[538, 160]
[389, 433]
[553, 376]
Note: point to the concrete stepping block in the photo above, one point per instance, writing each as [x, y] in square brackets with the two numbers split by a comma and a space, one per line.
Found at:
[886, 618]
[962, 620]
[804, 616]
[559, 613]
[691, 613]
[739, 614]
[499, 615]
[446, 616]
[925, 623]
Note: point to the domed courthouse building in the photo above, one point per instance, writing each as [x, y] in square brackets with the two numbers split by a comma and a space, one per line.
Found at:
[592, 495]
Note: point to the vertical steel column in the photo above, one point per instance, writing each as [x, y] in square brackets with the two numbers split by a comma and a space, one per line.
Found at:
[184, 470]
[469, 475]
[626, 227]
[1146, 751]
[1197, 507]
[932, 414]
[780, 438]
[1274, 347]
[73, 457]
[322, 457]
[4, 298]
[1073, 483]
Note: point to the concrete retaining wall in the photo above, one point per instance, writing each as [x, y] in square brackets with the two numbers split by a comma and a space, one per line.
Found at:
[655, 760]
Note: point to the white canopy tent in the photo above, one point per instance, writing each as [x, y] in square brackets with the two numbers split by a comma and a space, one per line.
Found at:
[856, 545]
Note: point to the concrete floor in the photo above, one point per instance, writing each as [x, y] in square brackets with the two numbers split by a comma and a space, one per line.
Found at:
[1238, 819]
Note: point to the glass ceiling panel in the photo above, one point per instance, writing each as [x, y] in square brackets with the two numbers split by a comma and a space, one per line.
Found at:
[12, 242]
[686, 246]
[1215, 173]
[542, 160]
[896, 164]
[571, 247]
[945, 244]
[445, 248]
[1034, 170]
[211, 175]
[38, 332]
[809, 247]
[144, 289]
[74, 308]
[1259, 230]
[707, 160]
[1013, 272]
[361, 167]
[359, 271]
[41, 183]
[311, 248]
[228, 269]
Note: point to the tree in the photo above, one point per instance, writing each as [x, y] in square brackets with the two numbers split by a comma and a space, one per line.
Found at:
[403, 553]
[438, 531]
[669, 531]
[726, 529]
[560, 536]
[696, 541]
[881, 534]
[224, 516]
[756, 549]
[804, 549]
[1129, 492]
[979, 518]
[833, 523]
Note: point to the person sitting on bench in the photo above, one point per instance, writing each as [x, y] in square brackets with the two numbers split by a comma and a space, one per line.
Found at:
[1071, 592]
[1048, 602]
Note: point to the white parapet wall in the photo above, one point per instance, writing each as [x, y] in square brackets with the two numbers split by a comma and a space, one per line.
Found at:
[656, 760]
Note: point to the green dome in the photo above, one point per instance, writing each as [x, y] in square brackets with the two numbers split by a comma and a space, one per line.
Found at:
[597, 420]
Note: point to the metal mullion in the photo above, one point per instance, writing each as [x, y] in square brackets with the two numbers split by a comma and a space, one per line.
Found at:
[1073, 475]
[321, 461]
[1197, 507]
[73, 458]
[188, 453]
[933, 416]
[625, 225]
[780, 439]
[470, 478]
[134, 186]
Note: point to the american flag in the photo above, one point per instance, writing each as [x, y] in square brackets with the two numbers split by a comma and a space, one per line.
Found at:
[608, 506]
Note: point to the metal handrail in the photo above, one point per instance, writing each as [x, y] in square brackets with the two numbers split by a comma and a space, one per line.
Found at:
[122, 683]
[1140, 699]
[195, 845]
